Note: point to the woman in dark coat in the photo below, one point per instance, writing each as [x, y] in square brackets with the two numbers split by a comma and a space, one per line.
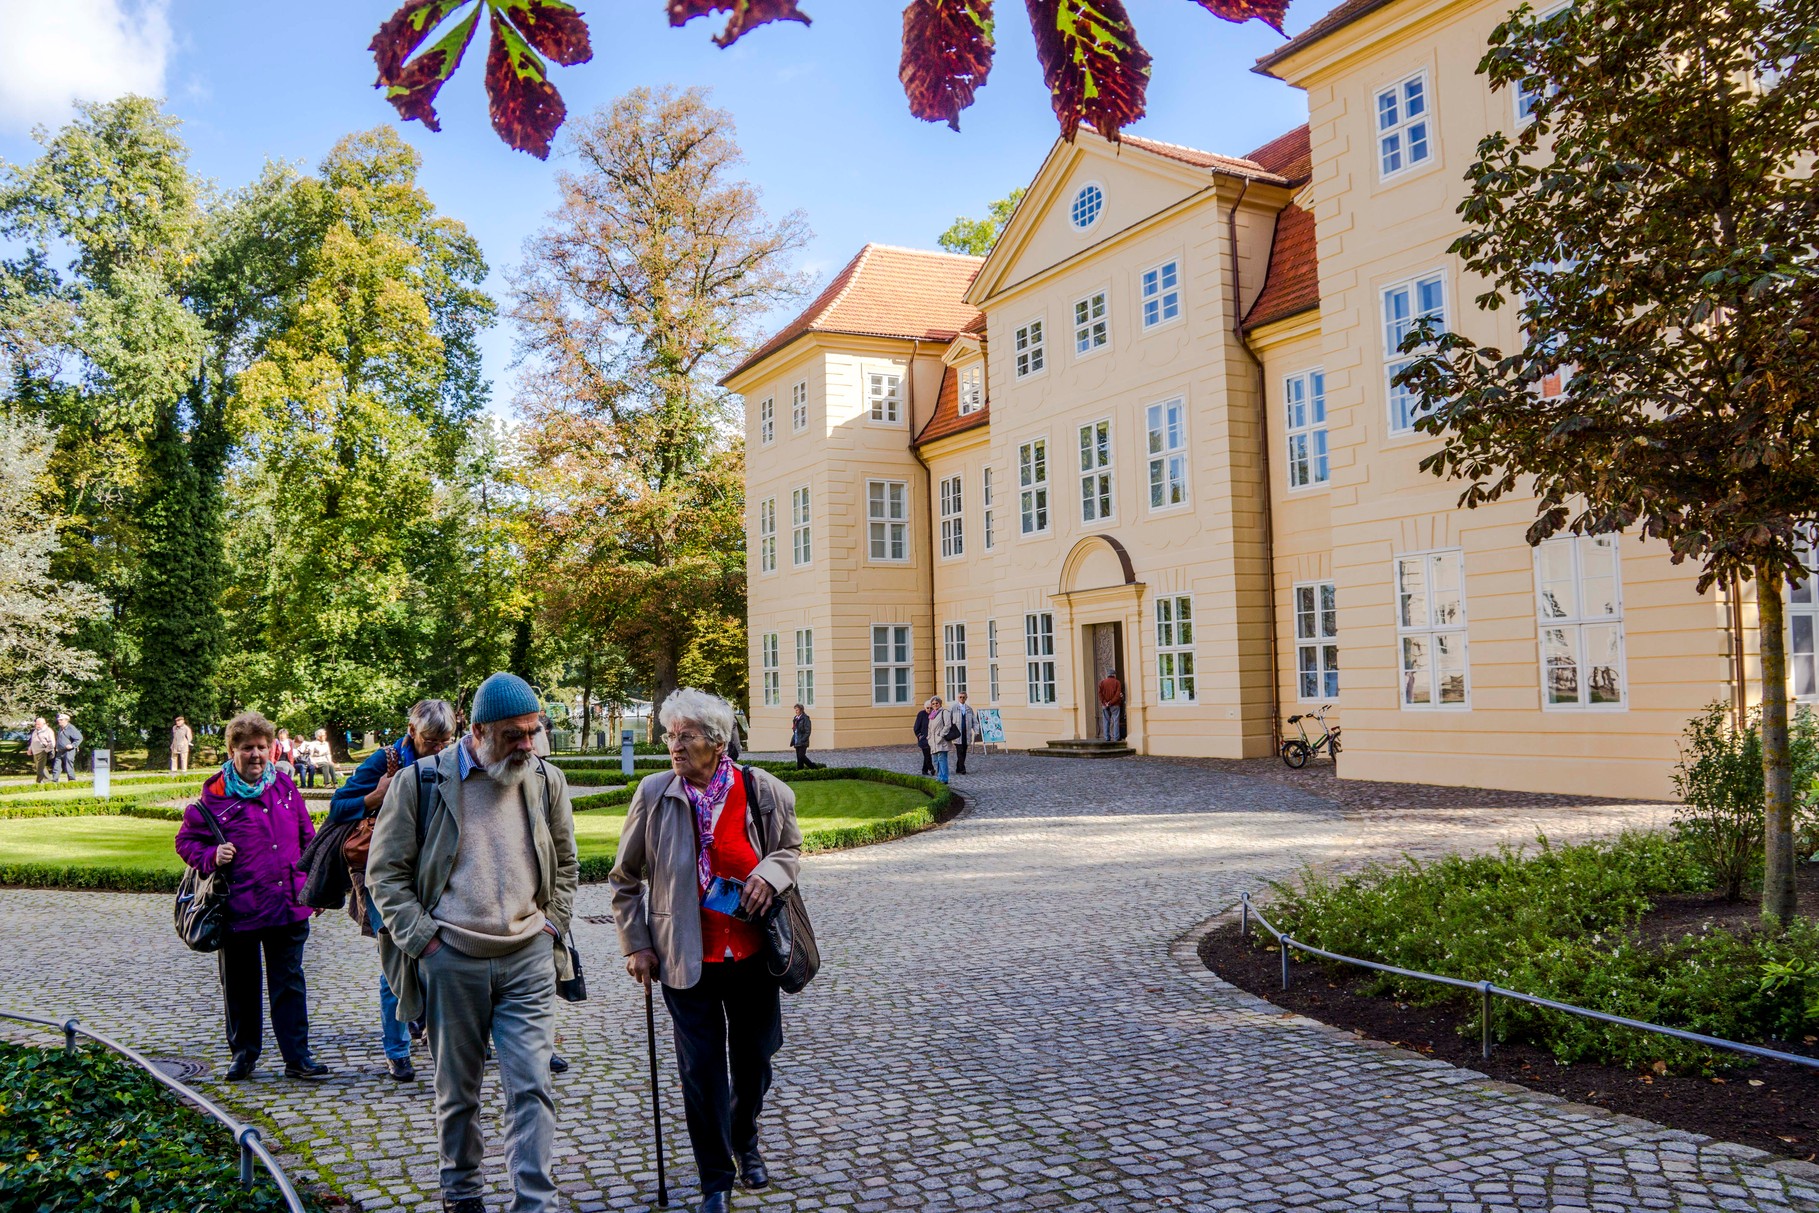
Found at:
[921, 727]
[263, 818]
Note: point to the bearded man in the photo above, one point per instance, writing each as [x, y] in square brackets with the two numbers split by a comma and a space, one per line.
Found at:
[473, 871]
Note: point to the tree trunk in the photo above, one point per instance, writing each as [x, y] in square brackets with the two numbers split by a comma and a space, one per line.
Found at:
[663, 680]
[587, 698]
[337, 742]
[1778, 895]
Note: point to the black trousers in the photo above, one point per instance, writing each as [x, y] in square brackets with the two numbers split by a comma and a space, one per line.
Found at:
[960, 755]
[282, 978]
[728, 1027]
[802, 762]
[928, 759]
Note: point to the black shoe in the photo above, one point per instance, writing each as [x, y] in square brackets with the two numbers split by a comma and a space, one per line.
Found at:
[716, 1202]
[751, 1170]
[242, 1067]
[309, 1070]
[416, 1030]
[401, 1069]
[467, 1204]
[557, 1064]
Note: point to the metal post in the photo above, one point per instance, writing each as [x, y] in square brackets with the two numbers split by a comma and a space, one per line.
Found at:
[1484, 1013]
[69, 1037]
[1244, 916]
[1285, 943]
[248, 1135]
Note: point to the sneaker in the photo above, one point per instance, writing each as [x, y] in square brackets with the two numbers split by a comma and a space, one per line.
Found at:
[309, 1070]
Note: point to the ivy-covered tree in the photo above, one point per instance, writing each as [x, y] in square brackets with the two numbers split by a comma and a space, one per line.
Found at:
[1653, 221]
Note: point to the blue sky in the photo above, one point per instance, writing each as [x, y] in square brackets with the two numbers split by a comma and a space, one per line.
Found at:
[819, 110]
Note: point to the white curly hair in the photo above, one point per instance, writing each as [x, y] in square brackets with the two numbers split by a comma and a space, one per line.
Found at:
[712, 713]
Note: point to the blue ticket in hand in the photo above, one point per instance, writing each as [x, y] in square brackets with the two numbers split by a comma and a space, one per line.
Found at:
[723, 895]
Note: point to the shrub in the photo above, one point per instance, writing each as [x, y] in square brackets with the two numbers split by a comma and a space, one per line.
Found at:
[91, 1134]
[1719, 781]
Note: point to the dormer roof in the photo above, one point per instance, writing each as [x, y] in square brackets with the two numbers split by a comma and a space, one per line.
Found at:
[1292, 283]
[946, 420]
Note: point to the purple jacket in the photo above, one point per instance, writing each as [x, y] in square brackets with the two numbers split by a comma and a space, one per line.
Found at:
[269, 835]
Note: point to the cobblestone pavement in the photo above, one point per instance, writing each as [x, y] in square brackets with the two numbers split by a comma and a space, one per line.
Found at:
[1010, 1017]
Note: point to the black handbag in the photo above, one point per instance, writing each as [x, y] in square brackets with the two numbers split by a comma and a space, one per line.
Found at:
[790, 952]
[201, 909]
[574, 989]
[326, 880]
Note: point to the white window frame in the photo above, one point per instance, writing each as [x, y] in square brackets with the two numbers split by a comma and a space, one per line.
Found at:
[1523, 98]
[953, 663]
[953, 517]
[1803, 641]
[767, 420]
[1428, 625]
[989, 510]
[767, 535]
[1039, 657]
[1304, 414]
[1177, 675]
[802, 526]
[1401, 420]
[884, 397]
[1098, 480]
[1159, 300]
[1167, 454]
[898, 666]
[768, 662]
[887, 522]
[798, 407]
[1033, 517]
[1572, 627]
[991, 655]
[1316, 608]
[1092, 324]
[972, 388]
[1029, 348]
[1402, 129]
[805, 667]
[1073, 204]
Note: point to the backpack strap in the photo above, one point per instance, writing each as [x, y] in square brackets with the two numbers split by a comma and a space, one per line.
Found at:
[429, 797]
[756, 806]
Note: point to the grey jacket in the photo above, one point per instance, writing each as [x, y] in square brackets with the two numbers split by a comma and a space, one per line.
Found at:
[406, 884]
[656, 892]
[938, 725]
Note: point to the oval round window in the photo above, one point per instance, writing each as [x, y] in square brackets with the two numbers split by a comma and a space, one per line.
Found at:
[1087, 205]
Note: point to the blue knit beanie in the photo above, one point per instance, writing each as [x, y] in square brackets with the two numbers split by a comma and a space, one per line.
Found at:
[502, 697]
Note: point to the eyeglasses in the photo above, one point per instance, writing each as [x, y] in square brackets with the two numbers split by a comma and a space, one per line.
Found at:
[685, 739]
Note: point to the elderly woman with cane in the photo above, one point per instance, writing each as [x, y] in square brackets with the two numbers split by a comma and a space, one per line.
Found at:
[706, 849]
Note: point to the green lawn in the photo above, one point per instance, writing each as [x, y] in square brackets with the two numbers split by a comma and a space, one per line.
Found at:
[140, 845]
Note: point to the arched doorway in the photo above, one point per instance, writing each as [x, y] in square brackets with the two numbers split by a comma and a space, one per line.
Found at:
[1103, 609]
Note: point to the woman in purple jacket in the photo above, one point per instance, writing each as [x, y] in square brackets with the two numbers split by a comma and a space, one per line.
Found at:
[262, 816]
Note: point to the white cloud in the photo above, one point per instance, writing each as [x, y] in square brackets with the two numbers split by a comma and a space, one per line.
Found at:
[53, 53]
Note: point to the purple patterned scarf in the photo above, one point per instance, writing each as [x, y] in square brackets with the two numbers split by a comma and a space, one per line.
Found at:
[703, 800]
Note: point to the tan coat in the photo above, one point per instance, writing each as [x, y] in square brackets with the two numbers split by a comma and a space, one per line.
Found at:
[656, 891]
[938, 725]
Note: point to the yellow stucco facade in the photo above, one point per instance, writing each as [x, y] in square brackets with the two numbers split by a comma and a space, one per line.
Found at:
[1232, 515]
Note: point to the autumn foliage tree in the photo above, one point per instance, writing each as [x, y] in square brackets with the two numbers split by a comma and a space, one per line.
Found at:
[1653, 222]
[636, 297]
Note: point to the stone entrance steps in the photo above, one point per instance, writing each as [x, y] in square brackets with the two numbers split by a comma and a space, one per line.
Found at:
[1084, 747]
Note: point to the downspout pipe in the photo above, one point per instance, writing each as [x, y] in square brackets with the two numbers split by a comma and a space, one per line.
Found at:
[1263, 456]
[928, 495]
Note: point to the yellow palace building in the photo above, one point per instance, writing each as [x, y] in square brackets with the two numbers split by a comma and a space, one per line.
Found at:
[1153, 431]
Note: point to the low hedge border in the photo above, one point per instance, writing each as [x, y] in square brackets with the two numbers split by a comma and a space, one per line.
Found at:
[139, 804]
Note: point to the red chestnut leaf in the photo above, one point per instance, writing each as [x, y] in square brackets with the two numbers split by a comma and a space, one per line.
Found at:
[526, 109]
[947, 54]
[412, 90]
[1270, 12]
[404, 31]
[746, 15]
[1095, 69]
[554, 27]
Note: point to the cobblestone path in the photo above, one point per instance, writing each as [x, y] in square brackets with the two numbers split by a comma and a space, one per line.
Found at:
[1010, 1017]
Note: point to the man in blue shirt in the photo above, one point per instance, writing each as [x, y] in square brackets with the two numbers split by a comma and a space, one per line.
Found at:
[431, 728]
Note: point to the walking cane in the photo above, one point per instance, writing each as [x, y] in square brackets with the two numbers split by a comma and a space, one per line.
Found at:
[650, 1035]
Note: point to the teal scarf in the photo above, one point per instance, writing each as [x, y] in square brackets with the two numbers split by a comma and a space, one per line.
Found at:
[237, 786]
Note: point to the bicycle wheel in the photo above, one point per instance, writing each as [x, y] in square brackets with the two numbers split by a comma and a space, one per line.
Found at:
[1294, 753]
[1335, 743]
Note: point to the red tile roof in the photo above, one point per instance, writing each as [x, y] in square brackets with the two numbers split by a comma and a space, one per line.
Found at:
[1334, 21]
[1292, 284]
[886, 292]
[946, 419]
[1289, 155]
[1236, 165]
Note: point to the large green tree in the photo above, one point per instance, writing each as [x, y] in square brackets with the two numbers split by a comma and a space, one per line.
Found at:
[975, 237]
[1654, 222]
[643, 289]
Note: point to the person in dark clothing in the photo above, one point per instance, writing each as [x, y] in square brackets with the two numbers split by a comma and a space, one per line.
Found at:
[69, 739]
[800, 729]
[921, 726]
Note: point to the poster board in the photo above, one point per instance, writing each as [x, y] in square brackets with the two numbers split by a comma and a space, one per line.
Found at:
[991, 726]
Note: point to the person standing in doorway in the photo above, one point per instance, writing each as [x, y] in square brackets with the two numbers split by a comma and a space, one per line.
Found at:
[968, 720]
[42, 747]
[1111, 705]
[182, 737]
[800, 729]
[921, 730]
[69, 738]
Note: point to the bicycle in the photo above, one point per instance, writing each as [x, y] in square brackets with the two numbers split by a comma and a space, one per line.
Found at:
[1297, 750]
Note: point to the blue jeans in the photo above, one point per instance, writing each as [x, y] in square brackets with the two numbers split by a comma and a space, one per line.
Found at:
[1111, 719]
[396, 1036]
[941, 765]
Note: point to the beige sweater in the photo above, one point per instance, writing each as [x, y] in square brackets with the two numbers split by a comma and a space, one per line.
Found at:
[490, 905]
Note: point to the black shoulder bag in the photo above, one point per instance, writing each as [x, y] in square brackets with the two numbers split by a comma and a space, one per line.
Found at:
[201, 909]
[790, 952]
